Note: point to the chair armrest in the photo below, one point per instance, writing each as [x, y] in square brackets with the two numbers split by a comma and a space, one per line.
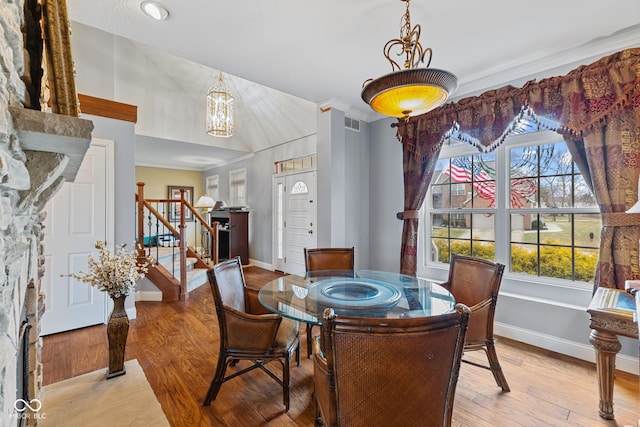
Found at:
[480, 323]
[315, 343]
[252, 303]
[250, 332]
[480, 305]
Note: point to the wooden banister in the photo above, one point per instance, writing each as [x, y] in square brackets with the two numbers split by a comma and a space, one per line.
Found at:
[180, 233]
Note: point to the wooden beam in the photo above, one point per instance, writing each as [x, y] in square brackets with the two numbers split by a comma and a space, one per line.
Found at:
[106, 108]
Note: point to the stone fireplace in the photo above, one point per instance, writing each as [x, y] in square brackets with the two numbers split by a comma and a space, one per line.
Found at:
[39, 151]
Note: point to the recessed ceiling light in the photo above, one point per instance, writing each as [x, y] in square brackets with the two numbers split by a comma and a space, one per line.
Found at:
[154, 10]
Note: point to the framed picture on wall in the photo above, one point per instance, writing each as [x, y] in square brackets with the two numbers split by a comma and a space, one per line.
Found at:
[174, 208]
[60, 68]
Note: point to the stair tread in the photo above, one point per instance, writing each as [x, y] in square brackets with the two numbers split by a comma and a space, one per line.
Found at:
[196, 276]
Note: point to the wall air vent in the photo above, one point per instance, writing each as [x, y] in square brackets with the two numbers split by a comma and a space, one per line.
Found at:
[352, 124]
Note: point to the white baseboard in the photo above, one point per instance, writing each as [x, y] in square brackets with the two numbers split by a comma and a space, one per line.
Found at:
[148, 295]
[261, 264]
[570, 348]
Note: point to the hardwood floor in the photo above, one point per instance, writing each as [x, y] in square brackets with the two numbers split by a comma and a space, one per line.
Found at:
[177, 343]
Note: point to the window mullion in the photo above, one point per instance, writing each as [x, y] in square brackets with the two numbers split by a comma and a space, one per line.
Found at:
[503, 220]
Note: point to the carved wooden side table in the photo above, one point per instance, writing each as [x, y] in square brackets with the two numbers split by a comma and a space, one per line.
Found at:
[612, 314]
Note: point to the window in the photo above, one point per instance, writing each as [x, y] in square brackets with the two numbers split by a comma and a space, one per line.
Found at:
[279, 220]
[299, 163]
[238, 187]
[524, 204]
[299, 188]
[212, 189]
[463, 206]
[555, 223]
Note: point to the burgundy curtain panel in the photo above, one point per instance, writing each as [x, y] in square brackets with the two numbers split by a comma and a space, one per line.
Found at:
[418, 166]
[595, 107]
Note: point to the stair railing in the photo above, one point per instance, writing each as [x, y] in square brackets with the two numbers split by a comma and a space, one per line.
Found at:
[161, 229]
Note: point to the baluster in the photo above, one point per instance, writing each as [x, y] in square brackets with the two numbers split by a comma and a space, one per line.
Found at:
[183, 248]
[140, 220]
[214, 242]
[157, 232]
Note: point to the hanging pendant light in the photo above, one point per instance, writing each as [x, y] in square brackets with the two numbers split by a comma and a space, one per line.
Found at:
[409, 91]
[219, 110]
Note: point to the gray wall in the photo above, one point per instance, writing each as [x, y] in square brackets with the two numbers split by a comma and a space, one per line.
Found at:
[386, 190]
[358, 193]
[343, 185]
[324, 178]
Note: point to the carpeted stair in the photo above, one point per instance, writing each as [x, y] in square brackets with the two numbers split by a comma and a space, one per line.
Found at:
[196, 277]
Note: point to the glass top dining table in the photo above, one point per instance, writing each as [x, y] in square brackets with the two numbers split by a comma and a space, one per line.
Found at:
[358, 293]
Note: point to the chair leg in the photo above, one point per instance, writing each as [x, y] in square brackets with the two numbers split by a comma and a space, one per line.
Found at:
[286, 383]
[216, 382]
[309, 336]
[495, 367]
[317, 422]
[298, 352]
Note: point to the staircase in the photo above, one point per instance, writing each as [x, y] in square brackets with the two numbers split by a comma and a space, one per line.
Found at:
[196, 276]
[162, 229]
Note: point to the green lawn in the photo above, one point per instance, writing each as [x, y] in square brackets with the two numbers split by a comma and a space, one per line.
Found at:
[560, 231]
[557, 231]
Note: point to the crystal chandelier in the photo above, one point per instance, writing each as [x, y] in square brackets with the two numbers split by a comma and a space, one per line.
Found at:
[219, 110]
[408, 91]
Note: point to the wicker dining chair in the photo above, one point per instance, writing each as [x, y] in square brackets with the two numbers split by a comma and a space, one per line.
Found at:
[326, 259]
[259, 338]
[324, 262]
[388, 372]
[476, 282]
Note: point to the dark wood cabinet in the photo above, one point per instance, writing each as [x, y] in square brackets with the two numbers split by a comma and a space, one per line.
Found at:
[233, 234]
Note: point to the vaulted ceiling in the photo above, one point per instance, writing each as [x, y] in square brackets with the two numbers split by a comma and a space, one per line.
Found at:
[283, 58]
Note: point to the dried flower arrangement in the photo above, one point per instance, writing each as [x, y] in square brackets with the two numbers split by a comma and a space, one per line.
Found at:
[116, 273]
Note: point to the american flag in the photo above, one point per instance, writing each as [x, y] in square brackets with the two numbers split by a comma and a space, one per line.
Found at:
[460, 171]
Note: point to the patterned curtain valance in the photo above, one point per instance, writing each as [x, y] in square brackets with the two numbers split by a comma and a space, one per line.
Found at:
[580, 101]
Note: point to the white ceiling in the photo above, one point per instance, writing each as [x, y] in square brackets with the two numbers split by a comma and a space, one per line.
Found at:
[322, 51]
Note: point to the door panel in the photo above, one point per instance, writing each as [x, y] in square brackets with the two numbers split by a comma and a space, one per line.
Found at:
[76, 218]
[300, 214]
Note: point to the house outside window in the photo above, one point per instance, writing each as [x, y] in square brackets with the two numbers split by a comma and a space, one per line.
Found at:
[525, 205]
[238, 187]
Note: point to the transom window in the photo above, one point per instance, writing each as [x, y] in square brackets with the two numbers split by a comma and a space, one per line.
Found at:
[524, 204]
[299, 163]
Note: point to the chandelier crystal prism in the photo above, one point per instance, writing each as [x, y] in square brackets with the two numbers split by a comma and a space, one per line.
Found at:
[408, 90]
[219, 110]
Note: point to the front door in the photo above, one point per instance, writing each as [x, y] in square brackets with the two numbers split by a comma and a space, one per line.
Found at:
[300, 219]
[77, 216]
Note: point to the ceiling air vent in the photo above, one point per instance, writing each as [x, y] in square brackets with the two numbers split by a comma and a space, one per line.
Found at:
[352, 124]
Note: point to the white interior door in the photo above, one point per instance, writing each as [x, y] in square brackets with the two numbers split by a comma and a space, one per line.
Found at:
[300, 219]
[78, 215]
